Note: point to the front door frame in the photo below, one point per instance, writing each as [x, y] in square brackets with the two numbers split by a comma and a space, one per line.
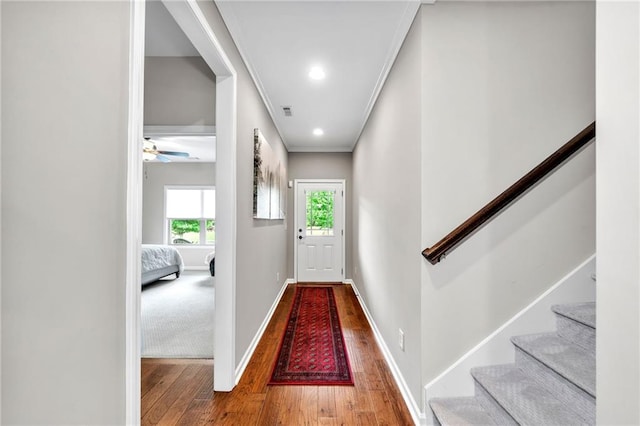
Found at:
[295, 221]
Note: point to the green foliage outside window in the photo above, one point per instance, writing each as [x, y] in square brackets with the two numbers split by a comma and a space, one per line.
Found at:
[182, 226]
[320, 210]
[193, 231]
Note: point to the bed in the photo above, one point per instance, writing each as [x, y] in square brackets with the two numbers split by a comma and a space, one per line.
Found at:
[160, 261]
[211, 261]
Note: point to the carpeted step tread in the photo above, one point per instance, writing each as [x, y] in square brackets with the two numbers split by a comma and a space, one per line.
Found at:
[460, 411]
[584, 313]
[522, 397]
[571, 361]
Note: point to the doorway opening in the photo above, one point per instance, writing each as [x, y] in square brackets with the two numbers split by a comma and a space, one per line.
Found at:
[191, 19]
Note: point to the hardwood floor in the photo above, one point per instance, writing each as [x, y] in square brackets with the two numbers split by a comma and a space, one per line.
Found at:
[179, 392]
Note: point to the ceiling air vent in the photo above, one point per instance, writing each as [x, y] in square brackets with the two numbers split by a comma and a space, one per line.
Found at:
[287, 111]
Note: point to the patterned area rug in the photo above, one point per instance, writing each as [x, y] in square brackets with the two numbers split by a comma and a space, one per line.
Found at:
[312, 351]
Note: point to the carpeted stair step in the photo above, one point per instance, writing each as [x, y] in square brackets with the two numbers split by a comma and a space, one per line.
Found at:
[513, 397]
[576, 322]
[459, 411]
[564, 368]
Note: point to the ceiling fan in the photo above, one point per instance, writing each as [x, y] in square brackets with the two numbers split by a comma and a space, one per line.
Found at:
[151, 152]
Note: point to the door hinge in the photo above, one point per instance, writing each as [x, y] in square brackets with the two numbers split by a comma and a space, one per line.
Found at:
[342, 232]
[343, 193]
[341, 271]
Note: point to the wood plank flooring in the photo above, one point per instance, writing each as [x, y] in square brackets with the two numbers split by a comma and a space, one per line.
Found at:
[179, 392]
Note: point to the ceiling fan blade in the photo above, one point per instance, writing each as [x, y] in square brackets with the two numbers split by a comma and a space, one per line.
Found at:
[162, 158]
[174, 153]
[148, 145]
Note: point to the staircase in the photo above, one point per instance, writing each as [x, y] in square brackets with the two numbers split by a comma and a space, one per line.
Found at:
[551, 383]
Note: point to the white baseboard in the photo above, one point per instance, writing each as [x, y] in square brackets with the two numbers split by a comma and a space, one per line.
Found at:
[256, 339]
[577, 286]
[416, 414]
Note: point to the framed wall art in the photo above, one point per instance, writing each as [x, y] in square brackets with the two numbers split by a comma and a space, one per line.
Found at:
[269, 180]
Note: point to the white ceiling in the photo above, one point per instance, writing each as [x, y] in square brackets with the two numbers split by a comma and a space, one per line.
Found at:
[201, 148]
[354, 41]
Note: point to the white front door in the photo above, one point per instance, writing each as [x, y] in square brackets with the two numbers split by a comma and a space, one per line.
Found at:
[319, 231]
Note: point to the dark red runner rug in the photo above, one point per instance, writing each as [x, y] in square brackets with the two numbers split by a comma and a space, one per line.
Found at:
[312, 351]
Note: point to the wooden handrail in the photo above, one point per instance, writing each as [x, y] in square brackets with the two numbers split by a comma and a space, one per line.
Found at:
[435, 253]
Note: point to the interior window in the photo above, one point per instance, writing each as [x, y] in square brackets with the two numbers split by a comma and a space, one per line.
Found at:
[190, 215]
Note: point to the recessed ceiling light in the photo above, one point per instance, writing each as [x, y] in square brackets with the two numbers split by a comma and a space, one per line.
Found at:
[318, 132]
[317, 73]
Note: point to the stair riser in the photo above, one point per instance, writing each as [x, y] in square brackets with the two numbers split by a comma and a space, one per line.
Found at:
[576, 332]
[581, 402]
[493, 407]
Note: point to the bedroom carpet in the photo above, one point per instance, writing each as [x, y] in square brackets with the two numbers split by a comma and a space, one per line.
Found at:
[177, 317]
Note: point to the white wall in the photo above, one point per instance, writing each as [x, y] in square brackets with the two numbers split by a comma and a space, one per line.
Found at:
[64, 163]
[504, 85]
[178, 91]
[0, 220]
[618, 214]
[261, 244]
[155, 177]
[386, 210]
[65, 71]
[320, 165]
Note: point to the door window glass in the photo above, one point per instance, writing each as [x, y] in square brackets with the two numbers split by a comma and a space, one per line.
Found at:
[320, 213]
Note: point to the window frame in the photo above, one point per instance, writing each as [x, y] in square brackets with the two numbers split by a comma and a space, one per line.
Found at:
[203, 220]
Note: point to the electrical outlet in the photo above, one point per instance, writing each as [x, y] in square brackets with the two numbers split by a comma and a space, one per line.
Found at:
[278, 277]
[401, 339]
